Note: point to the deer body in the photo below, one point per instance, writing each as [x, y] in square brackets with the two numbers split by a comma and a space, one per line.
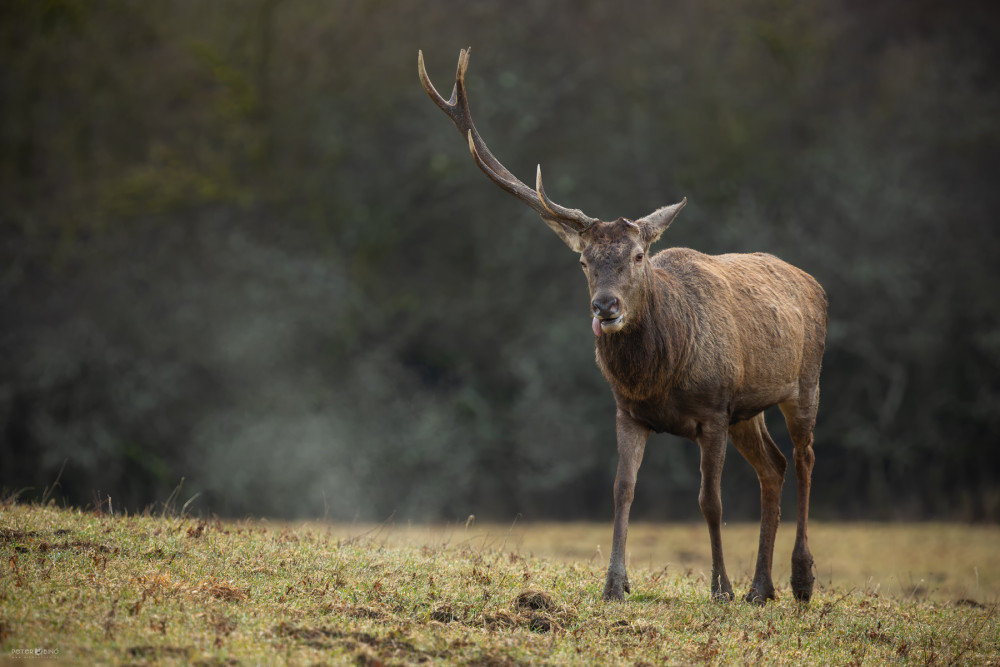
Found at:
[690, 359]
[694, 345]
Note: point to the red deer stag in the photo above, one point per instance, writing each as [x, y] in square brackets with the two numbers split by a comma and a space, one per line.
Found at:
[691, 344]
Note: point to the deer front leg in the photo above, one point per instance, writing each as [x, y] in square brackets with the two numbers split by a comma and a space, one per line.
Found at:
[631, 444]
[713, 453]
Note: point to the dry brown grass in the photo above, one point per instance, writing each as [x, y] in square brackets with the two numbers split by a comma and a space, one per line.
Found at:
[99, 589]
[940, 561]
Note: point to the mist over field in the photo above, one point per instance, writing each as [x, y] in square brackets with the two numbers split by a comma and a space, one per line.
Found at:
[239, 247]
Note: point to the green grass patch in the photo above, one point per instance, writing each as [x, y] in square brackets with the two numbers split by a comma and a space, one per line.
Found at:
[91, 588]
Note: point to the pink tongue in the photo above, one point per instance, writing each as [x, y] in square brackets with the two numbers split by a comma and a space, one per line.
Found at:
[596, 325]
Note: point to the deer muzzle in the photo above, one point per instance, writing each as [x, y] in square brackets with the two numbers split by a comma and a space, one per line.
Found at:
[608, 314]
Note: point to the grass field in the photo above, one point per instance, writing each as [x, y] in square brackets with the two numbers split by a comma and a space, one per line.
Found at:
[80, 587]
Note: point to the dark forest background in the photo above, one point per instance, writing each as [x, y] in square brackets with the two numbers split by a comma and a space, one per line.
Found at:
[240, 247]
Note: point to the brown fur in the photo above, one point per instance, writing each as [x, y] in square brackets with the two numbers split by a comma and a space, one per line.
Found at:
[694, 345]
[707, 344]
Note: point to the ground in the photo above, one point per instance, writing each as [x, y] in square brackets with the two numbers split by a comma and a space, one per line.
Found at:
[86, 587]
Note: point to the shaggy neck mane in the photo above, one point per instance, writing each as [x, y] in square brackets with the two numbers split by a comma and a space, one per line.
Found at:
[645, 357]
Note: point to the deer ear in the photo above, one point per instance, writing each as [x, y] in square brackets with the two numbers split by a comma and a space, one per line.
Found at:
[569, 236]
[657, 222]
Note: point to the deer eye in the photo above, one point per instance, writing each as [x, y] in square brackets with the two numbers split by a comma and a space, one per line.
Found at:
[583, 264]
[638, 257]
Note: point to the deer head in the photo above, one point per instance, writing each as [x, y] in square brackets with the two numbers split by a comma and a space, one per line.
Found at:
[613, 254]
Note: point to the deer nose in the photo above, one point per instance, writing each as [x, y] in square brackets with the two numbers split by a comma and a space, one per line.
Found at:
[605, 307]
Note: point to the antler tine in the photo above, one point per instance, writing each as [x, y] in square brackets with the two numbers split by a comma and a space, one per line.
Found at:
[460, 100]
[501, 176]
[560, 211]
[457, 108]
[429, 88]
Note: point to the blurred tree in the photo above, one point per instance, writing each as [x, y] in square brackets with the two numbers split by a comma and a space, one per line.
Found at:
[240, 247]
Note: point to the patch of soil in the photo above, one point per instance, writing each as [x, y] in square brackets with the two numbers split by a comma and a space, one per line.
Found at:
[534, 610]
[637, 628]
[360, 611]
[221, 590]
[371, 649]
[491, 660]
[148, 651]
[217, 662]
[315, 637]
[11, 535]
[501, 620]
[44, 546]
[444, 613]
[969, 602]
[542, 623]
[531, 600]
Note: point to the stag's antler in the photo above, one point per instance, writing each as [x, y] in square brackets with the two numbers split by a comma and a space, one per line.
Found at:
[457, 108]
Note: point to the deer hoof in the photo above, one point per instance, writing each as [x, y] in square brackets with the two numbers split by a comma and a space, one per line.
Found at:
[722, 590]
[613, 595]
[723, 596]
[759, 595]
[802, 577]
[616, 588]
[802, 591]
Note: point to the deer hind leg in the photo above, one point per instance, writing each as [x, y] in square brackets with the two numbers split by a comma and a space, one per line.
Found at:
[800, 415]
[713, 455]
[755, 444]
